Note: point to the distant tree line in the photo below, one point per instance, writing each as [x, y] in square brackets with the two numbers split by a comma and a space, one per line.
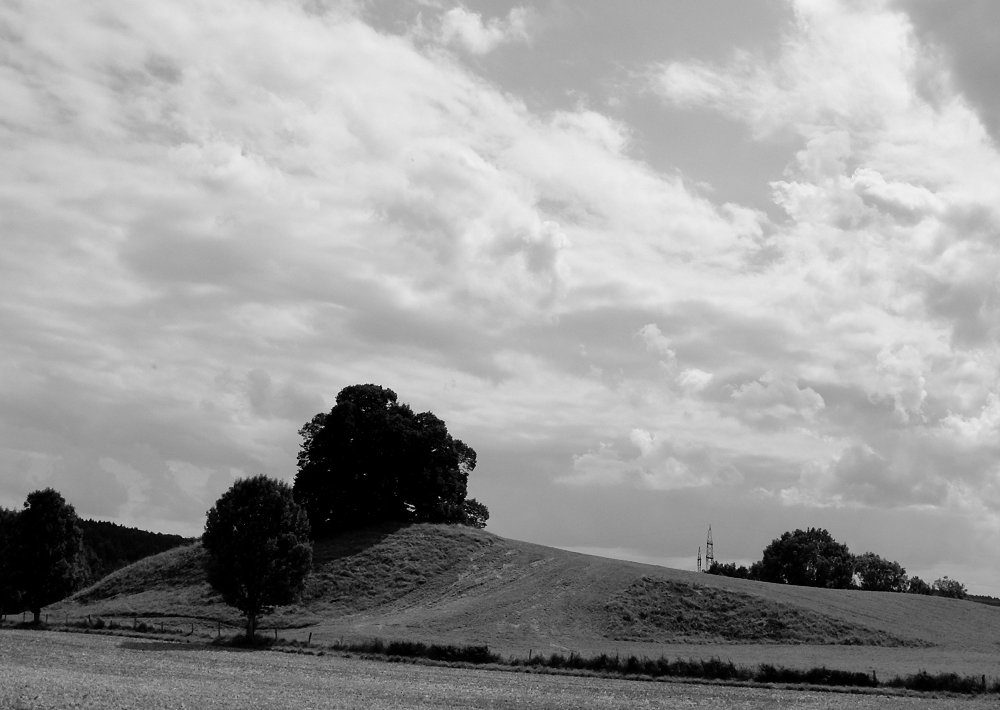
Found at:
[813, 558]
[109, 546]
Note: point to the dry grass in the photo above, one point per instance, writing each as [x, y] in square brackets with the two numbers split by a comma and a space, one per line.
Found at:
[653, 608]
[49, 670]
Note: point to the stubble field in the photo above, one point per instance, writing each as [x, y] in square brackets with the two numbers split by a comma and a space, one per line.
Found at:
[68, 670]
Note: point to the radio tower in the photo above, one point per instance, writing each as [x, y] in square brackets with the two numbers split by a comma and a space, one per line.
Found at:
[699, 558]
[709, 552]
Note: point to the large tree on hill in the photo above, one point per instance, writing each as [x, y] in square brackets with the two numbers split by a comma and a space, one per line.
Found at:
[809, 558]
[371, 459]
[259, 552]
[877, 574]
[45, 553]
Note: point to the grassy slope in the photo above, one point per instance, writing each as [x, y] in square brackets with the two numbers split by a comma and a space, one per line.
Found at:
[458, 585]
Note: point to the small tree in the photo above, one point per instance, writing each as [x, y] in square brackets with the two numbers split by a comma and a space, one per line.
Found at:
[918, 586]
[876, 574]
[945, 587]
[259, 553]
[46, 556]
[809, 558]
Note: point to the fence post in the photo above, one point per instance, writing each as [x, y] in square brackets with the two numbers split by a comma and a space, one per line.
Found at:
[275, 633]
[309, 642]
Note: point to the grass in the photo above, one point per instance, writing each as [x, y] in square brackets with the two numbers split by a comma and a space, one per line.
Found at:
[644, 668]
[45, 670]
[654, 607]
[458, 586]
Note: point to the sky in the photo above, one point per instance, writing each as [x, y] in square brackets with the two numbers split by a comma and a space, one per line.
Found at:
[662, 264]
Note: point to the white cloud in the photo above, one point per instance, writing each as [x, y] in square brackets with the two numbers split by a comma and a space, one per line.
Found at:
[776, 398]
[468, 30]
[662, 464]
[657, 343]
[215, 216]
[694, 380]
[980, 430]
[901, 378]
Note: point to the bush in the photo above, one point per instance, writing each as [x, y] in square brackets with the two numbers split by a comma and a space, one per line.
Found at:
[943, 682]
[945, 587]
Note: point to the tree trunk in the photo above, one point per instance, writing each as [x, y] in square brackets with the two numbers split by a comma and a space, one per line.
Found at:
[37, 613]
[251, 627]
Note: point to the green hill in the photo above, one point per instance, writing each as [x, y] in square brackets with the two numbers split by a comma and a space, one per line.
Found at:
[460, 585]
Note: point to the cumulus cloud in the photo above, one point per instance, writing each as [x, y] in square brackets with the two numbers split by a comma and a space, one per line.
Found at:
[278, 203]
[662, 464]
[694, 380]
[468, 29]
[658, 344]
[982, 429]
[774, 399]
[215, 216]
[901, 378]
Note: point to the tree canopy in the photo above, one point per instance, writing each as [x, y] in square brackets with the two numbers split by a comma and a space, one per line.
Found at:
[259, 553]
[877, 574]
[45, 553]
[371, 459]
[945, 587]
[810, 558]
[9, 594]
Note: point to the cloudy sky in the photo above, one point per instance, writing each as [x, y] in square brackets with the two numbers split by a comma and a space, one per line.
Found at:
[662, 264]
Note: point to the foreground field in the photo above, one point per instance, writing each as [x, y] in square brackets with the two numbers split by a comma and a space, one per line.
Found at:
[62, 670]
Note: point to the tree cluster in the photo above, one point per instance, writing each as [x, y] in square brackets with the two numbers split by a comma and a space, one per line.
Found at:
[41, 553]
[371, 459]
[813, 558]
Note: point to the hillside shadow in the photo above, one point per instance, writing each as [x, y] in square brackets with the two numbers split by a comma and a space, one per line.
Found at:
[352, 542]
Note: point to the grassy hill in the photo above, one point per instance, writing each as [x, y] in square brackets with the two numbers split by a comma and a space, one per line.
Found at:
[109, 546]
[460, 585]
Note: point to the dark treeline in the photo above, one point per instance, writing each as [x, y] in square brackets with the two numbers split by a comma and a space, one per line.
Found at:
[47, 552]
[813, 558]
[109, 546]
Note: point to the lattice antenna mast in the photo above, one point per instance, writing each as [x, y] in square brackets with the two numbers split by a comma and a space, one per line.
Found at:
[709, 552]
[699, 558]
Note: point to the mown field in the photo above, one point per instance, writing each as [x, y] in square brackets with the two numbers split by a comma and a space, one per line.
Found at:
[68, 670]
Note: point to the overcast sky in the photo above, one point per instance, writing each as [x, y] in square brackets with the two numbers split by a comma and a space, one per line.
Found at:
[662, 264]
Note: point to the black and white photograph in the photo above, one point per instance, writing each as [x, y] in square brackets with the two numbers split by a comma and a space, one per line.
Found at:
[420, 354]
